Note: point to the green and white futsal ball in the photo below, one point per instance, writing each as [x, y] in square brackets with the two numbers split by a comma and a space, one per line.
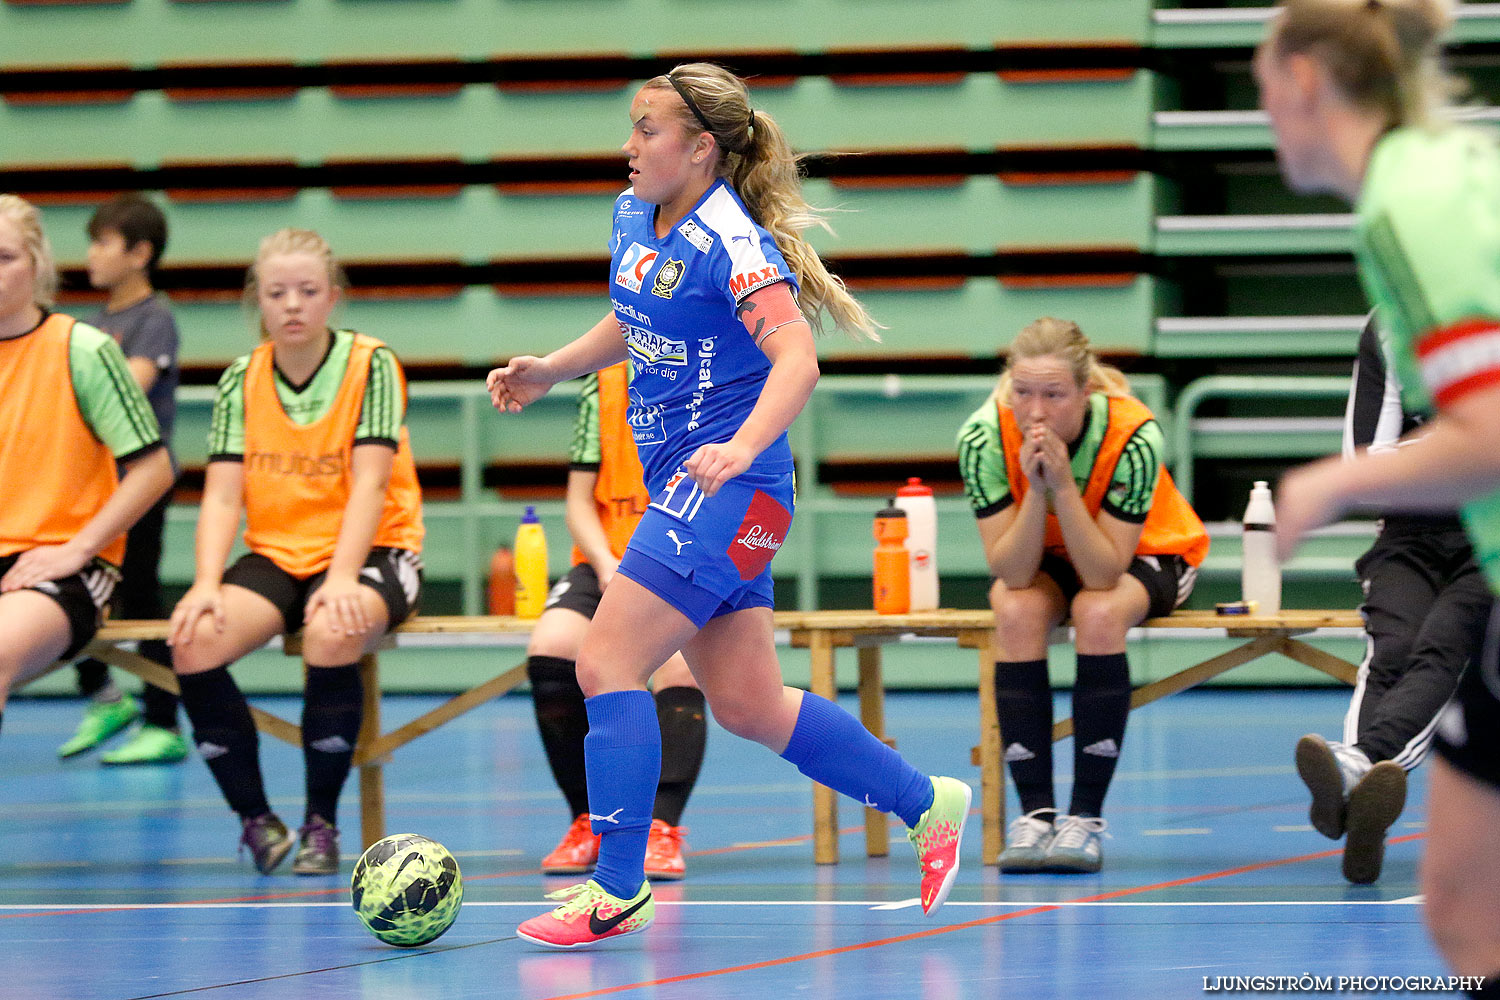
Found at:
[407, 889]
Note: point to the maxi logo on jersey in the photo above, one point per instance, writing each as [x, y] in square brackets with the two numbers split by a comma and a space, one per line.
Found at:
[634, 266]
[745, 282]
[761, 534]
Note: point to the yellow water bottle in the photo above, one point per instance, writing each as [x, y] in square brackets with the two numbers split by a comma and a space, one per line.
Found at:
[531, 566]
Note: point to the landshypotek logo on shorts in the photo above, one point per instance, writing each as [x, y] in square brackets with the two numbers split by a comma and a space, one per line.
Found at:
[760, 535]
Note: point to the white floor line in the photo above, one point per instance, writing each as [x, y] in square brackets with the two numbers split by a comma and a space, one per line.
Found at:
[1182, 831]
[1006, 904]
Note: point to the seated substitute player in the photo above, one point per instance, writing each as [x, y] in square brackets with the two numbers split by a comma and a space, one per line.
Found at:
[308, 439]
[126, 238]
[69, 411]
[606, 498]
[1079, 521]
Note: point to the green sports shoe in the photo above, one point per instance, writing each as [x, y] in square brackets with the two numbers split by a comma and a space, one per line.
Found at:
[148, 745]
[101, 720]
[936, 838]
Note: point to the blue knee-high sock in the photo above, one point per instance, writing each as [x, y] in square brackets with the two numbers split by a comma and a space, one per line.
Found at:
[622, 754]
[831, 746]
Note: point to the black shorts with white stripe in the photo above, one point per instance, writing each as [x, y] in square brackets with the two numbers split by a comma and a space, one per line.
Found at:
[394, 574]
[82, 597]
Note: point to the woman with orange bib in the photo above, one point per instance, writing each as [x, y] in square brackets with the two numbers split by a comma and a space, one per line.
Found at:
[1079, 521]
[606, 498]
[69, 410]
[309, 441]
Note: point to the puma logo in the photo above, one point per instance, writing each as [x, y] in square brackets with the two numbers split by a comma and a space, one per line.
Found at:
[672, 534]
[608, 819]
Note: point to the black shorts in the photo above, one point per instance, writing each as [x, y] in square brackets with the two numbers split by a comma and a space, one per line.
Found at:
[394, 574]
[1468, 729]
[1168, 579]
[578, 591]
[82, 596]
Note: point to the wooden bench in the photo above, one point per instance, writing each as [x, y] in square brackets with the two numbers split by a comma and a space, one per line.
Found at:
[821, 633]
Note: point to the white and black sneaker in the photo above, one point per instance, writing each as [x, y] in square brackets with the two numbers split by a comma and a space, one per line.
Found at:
[1026, 842]
[1330, 770]
[1076, 847]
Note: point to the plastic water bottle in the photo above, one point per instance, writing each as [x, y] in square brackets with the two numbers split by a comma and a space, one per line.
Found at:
[892, 562]
[1260, 574]
[921, 538]
[531, 566]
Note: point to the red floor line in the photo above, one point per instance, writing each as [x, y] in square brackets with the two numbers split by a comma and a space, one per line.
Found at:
[966, 925]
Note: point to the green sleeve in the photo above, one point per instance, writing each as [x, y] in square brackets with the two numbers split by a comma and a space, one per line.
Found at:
[1430, 256]
[383, 410]
[226, 433]
[1133, 484]
[982, 462]
[584, 453]
[108, 396]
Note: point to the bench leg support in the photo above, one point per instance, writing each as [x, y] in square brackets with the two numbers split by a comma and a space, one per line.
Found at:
[872, 714]
[372, 772]
[825, 799]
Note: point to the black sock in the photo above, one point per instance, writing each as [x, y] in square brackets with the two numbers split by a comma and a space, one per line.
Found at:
[1101, 704]
[684, 733]
[92, 676]
[1023, 701]
[563, 722]
[158, 707]
[331, 713]
[226, 738]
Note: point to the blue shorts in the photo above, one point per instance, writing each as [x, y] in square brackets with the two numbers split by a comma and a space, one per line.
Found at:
[709, 556]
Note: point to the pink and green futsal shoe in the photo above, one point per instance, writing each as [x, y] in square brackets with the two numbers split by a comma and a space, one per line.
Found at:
[589, 915]
[936, 838]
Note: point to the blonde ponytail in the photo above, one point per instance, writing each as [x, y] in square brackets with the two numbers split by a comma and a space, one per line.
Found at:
[759, 163]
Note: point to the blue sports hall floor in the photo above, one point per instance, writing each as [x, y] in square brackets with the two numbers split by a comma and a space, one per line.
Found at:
[124, 883]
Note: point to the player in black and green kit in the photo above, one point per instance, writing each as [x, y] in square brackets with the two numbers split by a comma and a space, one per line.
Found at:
[1353, 90]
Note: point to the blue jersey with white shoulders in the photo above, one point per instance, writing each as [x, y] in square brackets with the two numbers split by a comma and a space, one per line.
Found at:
[697, 372]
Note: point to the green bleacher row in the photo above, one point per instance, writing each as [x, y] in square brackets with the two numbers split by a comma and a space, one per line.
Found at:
[314, 125]
[150, 32]
[973, 318]
[476, 223]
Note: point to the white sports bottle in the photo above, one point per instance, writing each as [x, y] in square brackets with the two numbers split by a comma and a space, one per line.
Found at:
[921, 539]
[1260, 573]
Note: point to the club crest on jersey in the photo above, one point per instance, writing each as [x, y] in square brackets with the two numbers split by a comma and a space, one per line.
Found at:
[648, 348]
[668, 277]
[745, 282]
[634, 266]
[760, 535]
[696, 235]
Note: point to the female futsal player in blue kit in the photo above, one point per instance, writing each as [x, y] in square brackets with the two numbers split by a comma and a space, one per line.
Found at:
[715, 297]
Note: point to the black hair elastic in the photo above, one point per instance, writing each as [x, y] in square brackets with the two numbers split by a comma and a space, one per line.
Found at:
[692, 105]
